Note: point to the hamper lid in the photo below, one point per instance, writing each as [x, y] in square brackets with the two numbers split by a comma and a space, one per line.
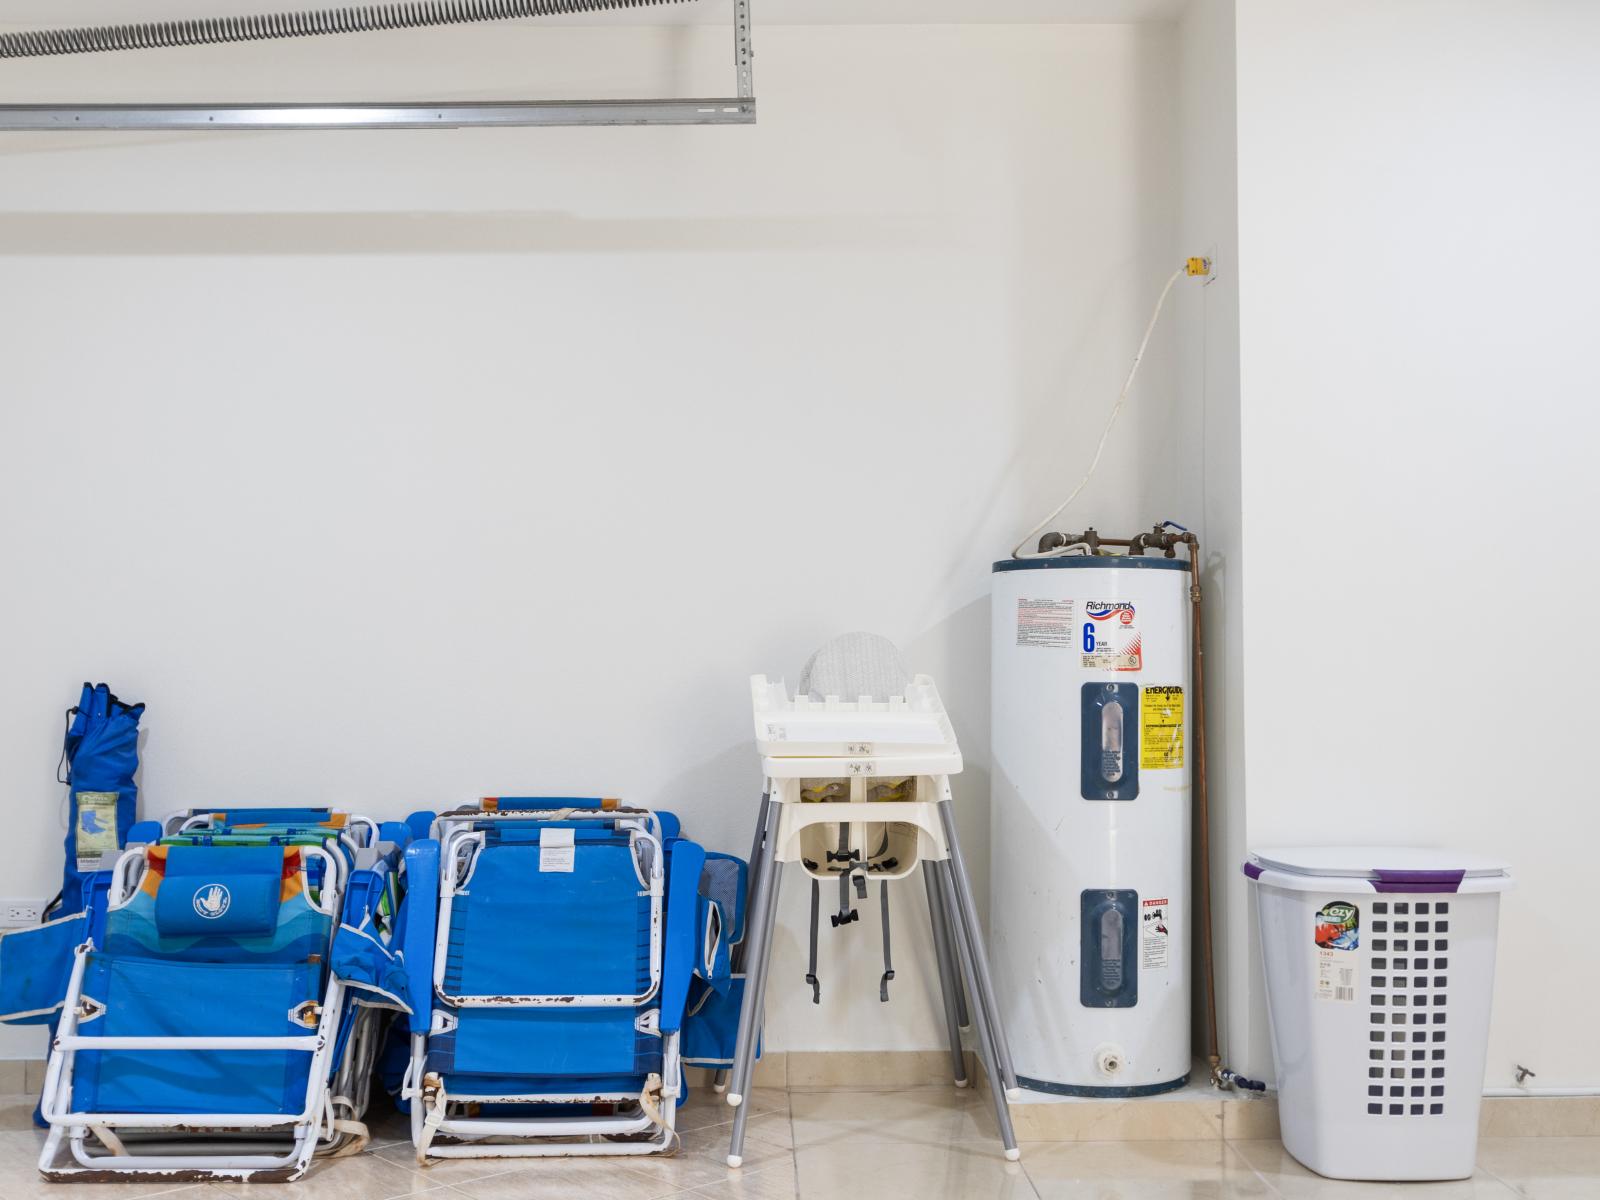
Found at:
[1386, 868]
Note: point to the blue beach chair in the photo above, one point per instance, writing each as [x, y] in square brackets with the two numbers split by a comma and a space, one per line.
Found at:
[552, 966]
[201, 1018]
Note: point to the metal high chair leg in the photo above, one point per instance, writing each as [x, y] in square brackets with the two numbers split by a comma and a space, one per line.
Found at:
[758, 850]
[982, 988]
[948, 947]
[983, 1017]
[949, 985]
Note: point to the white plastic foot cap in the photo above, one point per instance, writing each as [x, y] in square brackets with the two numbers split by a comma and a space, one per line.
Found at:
[735, 1099]
[961, 1083]
[719, 1088]
[735, 1160]
[1013, 1154]
[1013, 1094]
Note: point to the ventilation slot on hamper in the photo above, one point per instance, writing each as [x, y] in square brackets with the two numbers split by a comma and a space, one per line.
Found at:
[1408, 997]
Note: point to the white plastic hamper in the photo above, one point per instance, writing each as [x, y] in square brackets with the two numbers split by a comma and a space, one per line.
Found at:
[1380, 971]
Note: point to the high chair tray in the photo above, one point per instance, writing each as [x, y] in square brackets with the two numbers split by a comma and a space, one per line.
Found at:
[913, 726]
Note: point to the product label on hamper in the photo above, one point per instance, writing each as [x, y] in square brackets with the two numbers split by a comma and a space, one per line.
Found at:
[1045, 623]
[1155, 933]
[1161, 728]
[556, 851]
[1336, 976]
[1338, 926]
[1110, 636]
[1337, 933]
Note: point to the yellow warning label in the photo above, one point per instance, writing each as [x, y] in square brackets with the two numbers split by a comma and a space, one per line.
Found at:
[1161, 728]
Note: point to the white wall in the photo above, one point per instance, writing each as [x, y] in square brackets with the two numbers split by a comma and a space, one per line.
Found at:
[1417, 197]
[1208, 389]
[394, 469]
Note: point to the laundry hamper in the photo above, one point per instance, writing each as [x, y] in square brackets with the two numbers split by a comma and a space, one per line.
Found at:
[1380, 971]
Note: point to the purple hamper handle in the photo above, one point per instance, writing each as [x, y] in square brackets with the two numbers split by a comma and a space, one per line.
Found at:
[1417, 881]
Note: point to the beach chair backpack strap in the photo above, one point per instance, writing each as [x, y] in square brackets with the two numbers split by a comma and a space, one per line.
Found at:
[888, 964]
[816, 917]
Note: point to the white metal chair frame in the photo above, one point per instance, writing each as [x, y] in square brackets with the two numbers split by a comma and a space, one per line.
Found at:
[309, 1128]
[430, 1105]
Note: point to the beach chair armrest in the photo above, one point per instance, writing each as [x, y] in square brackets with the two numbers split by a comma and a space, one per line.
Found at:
[419, 928]
[681, 950]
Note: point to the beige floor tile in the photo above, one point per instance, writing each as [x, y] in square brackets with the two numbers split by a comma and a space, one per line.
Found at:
[13, 1075]
[1290, 1180]
[775, 1183]
[1544, 1168]
[569, 1179]
[20, 1178]
[360, 1177]
[446, 1170]
[900, 1171]
[702, 1159]
[16, 1112]
[771, 1131]
[33, 1075]
[1539, 1116]
[704, 1107]
[775, 1129]
[1140, 1171]
[929, 1116]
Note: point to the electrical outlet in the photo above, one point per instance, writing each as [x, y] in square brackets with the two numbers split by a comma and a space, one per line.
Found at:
[16, 914]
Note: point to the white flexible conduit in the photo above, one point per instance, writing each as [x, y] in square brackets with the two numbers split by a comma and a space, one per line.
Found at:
[1017, 551]
[367, 18]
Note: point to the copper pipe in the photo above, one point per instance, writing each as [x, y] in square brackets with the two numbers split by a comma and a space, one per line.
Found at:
[1202, 812]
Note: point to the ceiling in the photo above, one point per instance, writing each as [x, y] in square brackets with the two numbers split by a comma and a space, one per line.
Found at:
[57, 13]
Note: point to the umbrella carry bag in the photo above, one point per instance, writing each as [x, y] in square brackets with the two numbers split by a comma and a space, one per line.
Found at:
[100, 754]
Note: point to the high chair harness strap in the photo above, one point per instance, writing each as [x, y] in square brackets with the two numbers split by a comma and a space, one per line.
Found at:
[811, 969]
[841, 918]
[888, 965]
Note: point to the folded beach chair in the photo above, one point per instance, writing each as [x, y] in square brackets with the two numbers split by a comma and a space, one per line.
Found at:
[200, 1020]
[552, 965]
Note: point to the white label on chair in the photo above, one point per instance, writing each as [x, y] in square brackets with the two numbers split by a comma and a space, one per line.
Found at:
[556, 852]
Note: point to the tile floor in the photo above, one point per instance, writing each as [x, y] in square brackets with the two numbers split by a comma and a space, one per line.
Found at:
[923, 1143]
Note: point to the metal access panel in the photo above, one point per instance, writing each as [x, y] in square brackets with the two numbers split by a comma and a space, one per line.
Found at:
[738, 109]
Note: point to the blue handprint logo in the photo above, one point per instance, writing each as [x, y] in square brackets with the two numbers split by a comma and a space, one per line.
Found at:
[212, 900]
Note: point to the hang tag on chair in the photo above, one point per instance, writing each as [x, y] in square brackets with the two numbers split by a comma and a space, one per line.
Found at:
[556, 850]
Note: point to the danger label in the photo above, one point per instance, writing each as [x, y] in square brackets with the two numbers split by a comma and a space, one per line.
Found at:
[1155, 933]
[1045, 623]
[1161, 728]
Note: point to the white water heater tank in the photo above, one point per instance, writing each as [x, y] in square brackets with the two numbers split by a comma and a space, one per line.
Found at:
[1090, 910]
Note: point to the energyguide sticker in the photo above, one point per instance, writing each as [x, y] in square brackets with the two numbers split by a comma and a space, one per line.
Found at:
[1161, 734]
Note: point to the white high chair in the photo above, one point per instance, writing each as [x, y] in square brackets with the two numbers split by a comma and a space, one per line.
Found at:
[860, 789]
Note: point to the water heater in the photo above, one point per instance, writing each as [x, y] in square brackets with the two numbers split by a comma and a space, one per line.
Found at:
[1089, 897]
